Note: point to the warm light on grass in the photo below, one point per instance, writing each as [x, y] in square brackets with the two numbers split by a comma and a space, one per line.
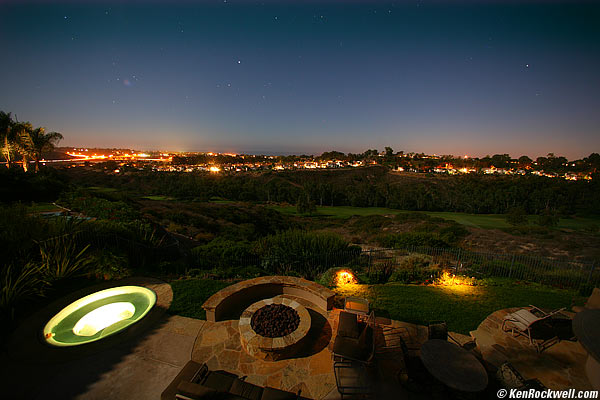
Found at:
[214, 169]
[458, 283]
[345, 278]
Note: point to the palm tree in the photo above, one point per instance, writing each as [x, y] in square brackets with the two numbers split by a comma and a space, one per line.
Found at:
[8, 137]
[35, 142]
[20, 132]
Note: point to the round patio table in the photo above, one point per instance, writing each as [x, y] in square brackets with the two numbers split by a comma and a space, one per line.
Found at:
[586, 326]
[453, 366]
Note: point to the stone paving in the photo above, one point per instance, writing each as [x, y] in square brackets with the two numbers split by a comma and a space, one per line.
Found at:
[560, 366]
[311, 371]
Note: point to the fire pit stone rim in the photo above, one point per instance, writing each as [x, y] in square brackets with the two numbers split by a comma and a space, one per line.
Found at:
[268, 348]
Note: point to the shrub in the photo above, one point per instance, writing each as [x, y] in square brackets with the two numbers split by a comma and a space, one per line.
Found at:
[380, 272]
[18, 232]
[547, 219]
[516, 216]
[408, 239]
[93, 206]
[411, 217]
[328, 278]
[18, 284]
[453, 233]
[61, 257]
[305, 205]
[416, 268]
[223, 253]
[370, 223]
[107, 265]
[306, 253]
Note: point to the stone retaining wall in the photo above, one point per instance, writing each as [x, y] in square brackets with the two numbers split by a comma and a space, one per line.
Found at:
[238, 296]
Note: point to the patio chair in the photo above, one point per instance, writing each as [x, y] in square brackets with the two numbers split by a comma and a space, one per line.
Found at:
[353, 343]
[527, 320]
[356, 305]
[352, 379]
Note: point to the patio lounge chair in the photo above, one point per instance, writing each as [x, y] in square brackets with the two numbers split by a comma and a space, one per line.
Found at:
[196, 381]
[529, 320]
[355, 340]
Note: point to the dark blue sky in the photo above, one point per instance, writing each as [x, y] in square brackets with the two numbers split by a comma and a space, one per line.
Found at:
[305, 77]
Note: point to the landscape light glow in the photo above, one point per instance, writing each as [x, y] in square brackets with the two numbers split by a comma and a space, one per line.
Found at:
[460, 283]
[345, 278]
[98, 315]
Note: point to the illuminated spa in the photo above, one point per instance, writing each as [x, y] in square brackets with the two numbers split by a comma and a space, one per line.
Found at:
[98, 315]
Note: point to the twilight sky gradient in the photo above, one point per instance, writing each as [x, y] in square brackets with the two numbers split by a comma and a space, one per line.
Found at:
[306, 77]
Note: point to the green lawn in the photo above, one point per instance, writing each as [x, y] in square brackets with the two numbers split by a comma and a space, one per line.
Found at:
[497, 221]
[190, 294]
[42, 207]
[158, 198]
[463, 308]
[102, 189]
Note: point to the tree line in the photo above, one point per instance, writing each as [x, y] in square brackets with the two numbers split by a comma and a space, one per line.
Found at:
[369, 187]
[22, 139]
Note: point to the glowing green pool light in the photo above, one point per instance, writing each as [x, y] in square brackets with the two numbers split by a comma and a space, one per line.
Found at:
[98, 315]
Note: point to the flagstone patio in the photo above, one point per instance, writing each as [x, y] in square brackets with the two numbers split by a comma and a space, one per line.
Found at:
[560, 366]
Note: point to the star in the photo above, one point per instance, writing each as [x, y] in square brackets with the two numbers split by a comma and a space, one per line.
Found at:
[239, 61]
[526, 65]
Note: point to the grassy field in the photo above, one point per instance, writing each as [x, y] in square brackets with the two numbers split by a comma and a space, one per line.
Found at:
[158, 198]
[42, 207]
[339, 211]
[101, 189]
[463, 308]
[484, 221]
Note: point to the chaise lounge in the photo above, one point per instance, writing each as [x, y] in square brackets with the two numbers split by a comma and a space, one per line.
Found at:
[533, 323]
[195, 381]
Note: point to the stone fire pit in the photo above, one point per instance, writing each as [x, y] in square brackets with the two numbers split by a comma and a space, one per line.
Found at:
[273, 348]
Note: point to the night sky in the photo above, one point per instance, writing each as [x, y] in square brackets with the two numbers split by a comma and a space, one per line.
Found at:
[307, 77]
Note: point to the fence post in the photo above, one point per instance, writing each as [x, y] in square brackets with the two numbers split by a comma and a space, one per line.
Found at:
[512, 263]
[458, 260]
[370, 260]
[591, 272]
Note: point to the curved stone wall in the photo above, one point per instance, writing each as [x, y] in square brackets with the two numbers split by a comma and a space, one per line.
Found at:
[237, 297]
